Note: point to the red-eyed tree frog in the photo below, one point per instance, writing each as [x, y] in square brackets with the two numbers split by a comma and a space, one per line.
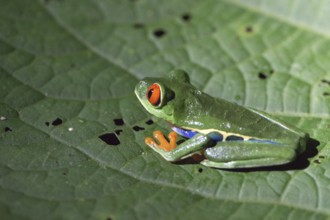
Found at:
[226, 134]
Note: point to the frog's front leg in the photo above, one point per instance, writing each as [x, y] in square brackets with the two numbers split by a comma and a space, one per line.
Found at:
[243, 154]
[163, 143]
[171, 152]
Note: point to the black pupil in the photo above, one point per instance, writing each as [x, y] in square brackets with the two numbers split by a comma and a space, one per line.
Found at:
[151, 91]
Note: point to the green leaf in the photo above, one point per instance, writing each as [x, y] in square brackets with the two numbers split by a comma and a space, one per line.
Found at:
[67, 73]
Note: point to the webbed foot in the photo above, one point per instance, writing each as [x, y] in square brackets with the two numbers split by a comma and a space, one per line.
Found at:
[163, 143]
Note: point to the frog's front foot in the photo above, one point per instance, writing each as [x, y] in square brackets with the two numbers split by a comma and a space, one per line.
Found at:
[163, 143]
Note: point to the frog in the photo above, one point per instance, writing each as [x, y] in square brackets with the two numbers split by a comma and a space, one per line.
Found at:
[224, 134]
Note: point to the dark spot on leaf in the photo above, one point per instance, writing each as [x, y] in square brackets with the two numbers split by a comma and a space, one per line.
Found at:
[118, 131]
[109, 218]
[261, 75]
[118, 121]
[186, 17]
[73, 65]
[326, 93]
[110, 138]
[47, 123]
[248, 29]
[234, 138]
[200, 170]
[64, 173]
[325, 81]
[271, 71]
[138, 25]
[159, 33]
[317, 161]
[321, 157]
[137, 128]
[149, 122]
[57, 121]
[7, 129]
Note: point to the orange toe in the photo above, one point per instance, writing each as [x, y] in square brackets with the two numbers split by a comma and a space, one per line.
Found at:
[149, 141]
[163, 143]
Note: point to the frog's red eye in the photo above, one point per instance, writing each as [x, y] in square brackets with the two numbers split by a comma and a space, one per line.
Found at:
[153, 94]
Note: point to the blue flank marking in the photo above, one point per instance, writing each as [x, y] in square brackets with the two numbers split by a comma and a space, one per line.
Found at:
[184, 133]
[189, 134]
[213, 135]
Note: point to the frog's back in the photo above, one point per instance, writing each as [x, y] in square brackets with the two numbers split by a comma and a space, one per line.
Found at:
[232, 120]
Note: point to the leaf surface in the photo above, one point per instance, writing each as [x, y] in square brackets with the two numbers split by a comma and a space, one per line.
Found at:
[68, 71]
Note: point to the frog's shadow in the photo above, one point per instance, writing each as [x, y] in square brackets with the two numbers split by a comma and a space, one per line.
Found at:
[299, 164]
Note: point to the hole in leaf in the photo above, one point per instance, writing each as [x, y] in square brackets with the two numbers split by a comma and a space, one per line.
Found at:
[3, 118]
[261, 75]
[248, 29]
[118, 131]
[118, 121]
[110, 138]
[7, 129]
[138, 128]
[149, 122]
[57, 122]
[138, 25]
[159, 33]
[200, 170]
[325, 81]
[186, 17]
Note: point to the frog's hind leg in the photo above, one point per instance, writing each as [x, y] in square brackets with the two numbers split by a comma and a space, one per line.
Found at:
[244, 154]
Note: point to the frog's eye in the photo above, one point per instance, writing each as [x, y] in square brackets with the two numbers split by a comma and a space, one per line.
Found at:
[154, 94]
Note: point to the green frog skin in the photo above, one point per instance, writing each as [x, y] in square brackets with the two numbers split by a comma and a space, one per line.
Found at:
[227, 135]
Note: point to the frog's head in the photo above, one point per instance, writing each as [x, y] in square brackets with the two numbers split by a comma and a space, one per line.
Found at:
[158, 95]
